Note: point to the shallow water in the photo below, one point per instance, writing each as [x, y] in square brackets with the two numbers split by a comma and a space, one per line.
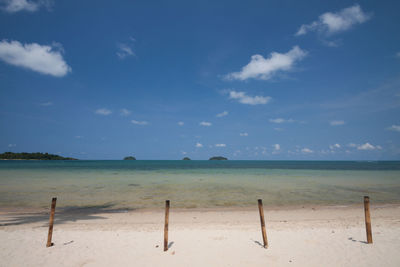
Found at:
[191, 184]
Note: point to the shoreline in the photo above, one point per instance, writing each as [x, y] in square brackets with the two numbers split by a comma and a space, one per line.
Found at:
[80, 209]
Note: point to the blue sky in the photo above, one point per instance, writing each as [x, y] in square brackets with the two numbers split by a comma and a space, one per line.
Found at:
[168, 79]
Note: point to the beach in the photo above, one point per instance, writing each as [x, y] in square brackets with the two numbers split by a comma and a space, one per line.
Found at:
[297, 236]
[111, 213]
[199, 133]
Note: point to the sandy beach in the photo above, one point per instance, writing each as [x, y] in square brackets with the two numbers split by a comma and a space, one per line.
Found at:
[298, 236]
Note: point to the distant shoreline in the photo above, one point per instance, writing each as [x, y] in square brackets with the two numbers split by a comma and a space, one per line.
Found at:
[32, 156]
[43, 159]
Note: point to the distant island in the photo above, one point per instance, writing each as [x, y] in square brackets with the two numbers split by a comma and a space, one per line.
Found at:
[186, 158]
[129, 158]
[218, 158]
[31, 156]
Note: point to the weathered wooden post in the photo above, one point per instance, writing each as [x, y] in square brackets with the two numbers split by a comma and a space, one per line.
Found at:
[367, 220]
[51, 222]
[166, 225]
[264, 234]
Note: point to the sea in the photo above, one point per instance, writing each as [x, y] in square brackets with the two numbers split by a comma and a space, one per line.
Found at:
[146, 184]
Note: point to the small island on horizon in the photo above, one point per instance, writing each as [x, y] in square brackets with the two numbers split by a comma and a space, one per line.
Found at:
[218, 158]
[130, 158]
[32, 156]
[186, 158]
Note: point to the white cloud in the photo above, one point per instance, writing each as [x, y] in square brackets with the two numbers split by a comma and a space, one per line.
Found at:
[181, 123]
[264, 68]
[280, 120]
[307, 150]
[124, 50]
[243, 134]
[103, 111]
[78, 136]
[205, 123]
[395, 128]
[332, 147]
[249, 100]
[398, 54]
[220, 145]
[222, 114]
[12, 6]
[12, 145]
[336, 123]
[278, 129]
[199, 145]
[331, 23]
[125, 112]
[40, 58]
[276, 147]
[46, 104]
[139, 122]
[368, 146]
[183, 152]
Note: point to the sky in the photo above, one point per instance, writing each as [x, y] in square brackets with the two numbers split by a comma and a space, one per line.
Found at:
[248, 80]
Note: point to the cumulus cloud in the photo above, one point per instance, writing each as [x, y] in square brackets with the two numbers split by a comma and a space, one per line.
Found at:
[243, 134]
[199, 145]
[13, 6]
[12, 145]
[330, 23]
[336, 123]
[368, 146]
[222, 114]
[125, 112]
[103, 111]
[241, 97]
[335, 146]
[281, 120]
[220, 145]
[44, 59]
[205, 123]
[307, 151]
[181, 123]
[276, 147]
[265, 68]
[139, 122]
[395, 128]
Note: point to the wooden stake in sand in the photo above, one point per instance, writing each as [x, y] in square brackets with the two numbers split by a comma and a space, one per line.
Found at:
[51, 222]
[264, 234]
[367, 220]
[166, 225]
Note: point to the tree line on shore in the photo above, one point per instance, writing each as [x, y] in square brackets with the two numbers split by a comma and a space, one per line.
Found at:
[47, 156]
[32, 156]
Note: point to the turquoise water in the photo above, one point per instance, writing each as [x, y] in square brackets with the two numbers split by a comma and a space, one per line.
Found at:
[196, 184]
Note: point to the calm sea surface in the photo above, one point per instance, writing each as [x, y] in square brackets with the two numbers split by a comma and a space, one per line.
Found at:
[191, 184]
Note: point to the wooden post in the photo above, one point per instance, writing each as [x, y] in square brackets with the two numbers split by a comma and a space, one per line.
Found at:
[166, 225]
[367, 220]
[51, 222]
[264, 234]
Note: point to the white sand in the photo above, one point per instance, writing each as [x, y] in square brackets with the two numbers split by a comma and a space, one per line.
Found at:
[320, 236]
